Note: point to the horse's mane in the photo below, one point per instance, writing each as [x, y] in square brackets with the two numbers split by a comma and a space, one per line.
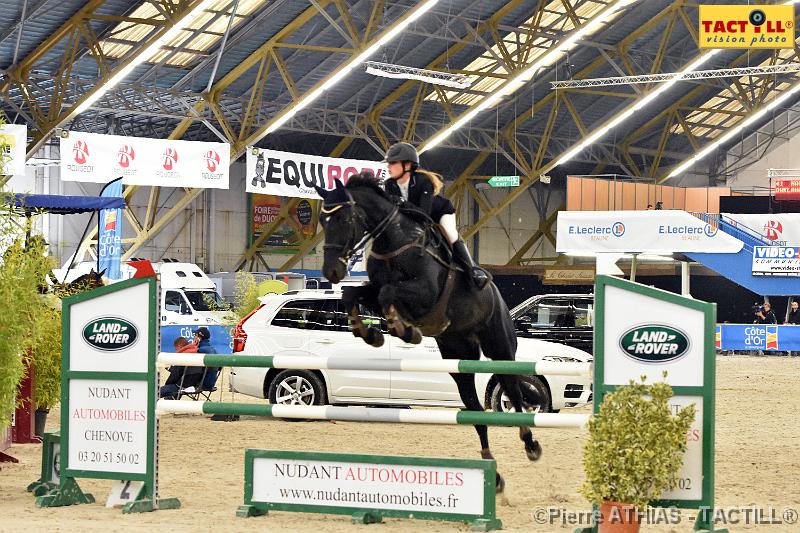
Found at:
[366, 179]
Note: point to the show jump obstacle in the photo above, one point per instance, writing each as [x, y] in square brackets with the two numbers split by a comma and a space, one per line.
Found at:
[109, 426]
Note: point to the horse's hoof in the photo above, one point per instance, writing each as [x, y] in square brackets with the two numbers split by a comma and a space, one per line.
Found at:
[500, 484]
[375, 337]
[534, 452]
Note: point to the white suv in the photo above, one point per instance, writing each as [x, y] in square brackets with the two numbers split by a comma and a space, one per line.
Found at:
[314, 323]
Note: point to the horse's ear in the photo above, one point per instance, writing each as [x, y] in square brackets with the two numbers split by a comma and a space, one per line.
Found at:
[339, 184]
[321, 191]
[101, 273]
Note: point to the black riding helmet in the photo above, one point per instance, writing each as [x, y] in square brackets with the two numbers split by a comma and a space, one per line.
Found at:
[402, 152]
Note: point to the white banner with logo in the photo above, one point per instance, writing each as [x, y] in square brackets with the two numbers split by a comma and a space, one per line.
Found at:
[15, 138]
[295, 175]
[655, 232]
[776, 261]
[96, 158]
[783, 229]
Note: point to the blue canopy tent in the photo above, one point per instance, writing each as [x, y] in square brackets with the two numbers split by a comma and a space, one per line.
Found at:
[28, 205]
[35, 204]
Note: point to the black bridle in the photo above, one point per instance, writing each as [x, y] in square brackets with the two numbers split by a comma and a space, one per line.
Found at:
[356, 219]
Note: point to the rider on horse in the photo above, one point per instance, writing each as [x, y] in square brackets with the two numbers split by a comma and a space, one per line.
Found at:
[421, 188]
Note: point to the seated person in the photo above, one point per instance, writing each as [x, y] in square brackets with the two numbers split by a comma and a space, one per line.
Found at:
[202, 341]
[190, 374]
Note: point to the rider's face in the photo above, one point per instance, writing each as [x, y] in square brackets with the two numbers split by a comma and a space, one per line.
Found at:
[396, 169]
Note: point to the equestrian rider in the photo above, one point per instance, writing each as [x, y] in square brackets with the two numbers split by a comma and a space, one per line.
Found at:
[421, 188]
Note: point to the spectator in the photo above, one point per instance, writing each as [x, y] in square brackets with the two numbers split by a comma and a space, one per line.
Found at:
[794, 315]
[659, 206]
[649, 207]
[202, 339]
[190, 375]
[765, 315]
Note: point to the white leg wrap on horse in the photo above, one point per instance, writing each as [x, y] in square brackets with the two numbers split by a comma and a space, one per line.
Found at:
[448, 223]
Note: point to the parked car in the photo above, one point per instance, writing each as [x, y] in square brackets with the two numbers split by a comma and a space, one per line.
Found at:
[563, 318]
[314, 323]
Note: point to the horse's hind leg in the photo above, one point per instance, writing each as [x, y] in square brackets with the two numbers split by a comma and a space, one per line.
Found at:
[469, 396]
[499, 343]
[465, 346]
[510, 385]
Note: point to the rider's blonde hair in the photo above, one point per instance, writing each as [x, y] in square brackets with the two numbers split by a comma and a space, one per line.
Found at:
[435, 178]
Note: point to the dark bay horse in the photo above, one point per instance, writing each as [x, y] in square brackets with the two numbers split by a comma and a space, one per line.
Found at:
[413, 283]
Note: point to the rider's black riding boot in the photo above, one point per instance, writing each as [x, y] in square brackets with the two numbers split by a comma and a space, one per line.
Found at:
[478, 275]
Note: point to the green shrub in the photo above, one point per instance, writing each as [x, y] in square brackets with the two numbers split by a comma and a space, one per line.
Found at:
[246, 295]
[636, 446]
[46, 352]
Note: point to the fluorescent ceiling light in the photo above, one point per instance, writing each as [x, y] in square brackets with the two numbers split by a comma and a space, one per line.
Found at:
[524, 76]
[345, 69]
[151, 50]
[400, 72]
[751, 119]
[616, 121]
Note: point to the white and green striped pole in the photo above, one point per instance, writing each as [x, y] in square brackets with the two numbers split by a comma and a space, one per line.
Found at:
[450, 366]
[376, 414]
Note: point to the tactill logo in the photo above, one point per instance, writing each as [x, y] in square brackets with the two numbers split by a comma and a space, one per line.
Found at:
[170, 158]
[212, 160]
[80, 152]
[110, 334]
[654, 343]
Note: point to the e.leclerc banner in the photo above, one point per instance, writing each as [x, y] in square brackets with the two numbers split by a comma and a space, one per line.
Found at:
[657, 232]
[295, 175]
[96, 158]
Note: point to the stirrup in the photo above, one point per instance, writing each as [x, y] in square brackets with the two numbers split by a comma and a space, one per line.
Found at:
[480, 278]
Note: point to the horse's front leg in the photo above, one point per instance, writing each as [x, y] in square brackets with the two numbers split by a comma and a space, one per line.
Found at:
[398, 299]
[367, 296]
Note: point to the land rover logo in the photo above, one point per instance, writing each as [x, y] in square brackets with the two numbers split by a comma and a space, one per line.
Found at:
[110, 334]
[654, 343]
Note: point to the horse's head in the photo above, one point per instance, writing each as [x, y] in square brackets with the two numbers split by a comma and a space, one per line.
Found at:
[345, 226]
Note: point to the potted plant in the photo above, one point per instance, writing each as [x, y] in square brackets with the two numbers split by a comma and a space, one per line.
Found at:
[634, 452]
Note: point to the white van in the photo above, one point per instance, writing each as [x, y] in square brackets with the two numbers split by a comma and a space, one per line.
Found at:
[188, 296]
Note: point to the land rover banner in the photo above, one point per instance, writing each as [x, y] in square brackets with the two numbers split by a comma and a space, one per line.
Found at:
[91, 157]
[295, 175]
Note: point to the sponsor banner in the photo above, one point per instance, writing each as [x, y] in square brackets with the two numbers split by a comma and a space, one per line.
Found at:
[109, 241]
[295, 175]
[108, 392]
[14, 138]
[92, 157]
[221, 337]
[776, 260]
[782, 229]
[746, 26]
[108, 425]
[662, 337]
[656, 232]
[264, 209]
[758, 337]
[786, 189]
[366, 482]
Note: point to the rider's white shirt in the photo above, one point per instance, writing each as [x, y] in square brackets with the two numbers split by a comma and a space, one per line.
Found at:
[404, 189]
